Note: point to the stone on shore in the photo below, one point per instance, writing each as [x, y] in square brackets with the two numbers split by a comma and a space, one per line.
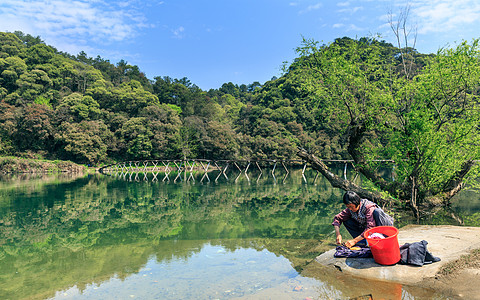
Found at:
[448, 243]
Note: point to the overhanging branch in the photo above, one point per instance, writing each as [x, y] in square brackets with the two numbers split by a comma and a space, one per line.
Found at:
[337, 181]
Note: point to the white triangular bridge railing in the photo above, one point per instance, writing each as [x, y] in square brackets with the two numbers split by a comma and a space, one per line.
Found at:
[183, 170]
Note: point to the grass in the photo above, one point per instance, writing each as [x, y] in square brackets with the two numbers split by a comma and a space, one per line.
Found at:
[470, 260]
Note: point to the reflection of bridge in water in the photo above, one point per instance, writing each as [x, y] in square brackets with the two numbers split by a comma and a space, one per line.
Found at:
[184, 170]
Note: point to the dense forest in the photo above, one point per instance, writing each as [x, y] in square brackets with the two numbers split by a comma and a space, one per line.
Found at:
[88, 110]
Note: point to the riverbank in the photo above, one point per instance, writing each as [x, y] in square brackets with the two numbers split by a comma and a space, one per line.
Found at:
[9, 165]
[456, 275]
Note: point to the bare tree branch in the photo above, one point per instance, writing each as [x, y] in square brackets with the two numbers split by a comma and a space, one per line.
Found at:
[399, 28]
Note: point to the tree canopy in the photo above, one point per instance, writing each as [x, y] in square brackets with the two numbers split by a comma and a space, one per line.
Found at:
[92, 111]
[424, 122]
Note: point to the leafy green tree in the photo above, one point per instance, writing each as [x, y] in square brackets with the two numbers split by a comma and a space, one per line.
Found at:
[138, 138]
[230, 89]
[131, 97]
[427, 124]
[39, 54]
[253, 86]
[232, 106]
[10, 70]
[76, 107]
[85, 142]
[189, 136]
[10, 45]
[34, 130]
[8, 128]
[27, 39]
[179, 92]
[165, 124]
[68, 73]
[213, 139]
[33, 83]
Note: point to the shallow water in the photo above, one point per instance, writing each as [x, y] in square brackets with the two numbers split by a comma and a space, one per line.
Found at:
[106, 237]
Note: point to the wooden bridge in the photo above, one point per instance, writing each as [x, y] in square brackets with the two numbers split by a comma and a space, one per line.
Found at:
[184, 170]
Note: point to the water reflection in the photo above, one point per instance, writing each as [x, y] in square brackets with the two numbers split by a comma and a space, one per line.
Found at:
[96, 237]
[211, 273]
[214, 272]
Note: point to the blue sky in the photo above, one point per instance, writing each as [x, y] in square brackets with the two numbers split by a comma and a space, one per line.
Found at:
[217, 41]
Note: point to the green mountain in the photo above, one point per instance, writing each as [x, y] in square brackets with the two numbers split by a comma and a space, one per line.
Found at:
[91, 111]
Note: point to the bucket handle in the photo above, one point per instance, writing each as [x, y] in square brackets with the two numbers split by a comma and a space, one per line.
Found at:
[379, 240]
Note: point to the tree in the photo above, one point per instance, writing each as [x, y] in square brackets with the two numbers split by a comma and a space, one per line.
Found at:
[33, 83]
[85, 142]
[10, 44]
[138, 138]
[10, 70]
[78, 108]
[426, 124]
[131, 97]
[28, 39]
[7, 128]
[39, 54]
[34, 127]
[164, 123]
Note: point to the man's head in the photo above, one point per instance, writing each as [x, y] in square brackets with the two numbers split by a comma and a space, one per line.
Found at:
[352, 201]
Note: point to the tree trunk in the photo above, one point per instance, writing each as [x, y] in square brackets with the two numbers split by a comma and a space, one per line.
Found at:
[339, 182]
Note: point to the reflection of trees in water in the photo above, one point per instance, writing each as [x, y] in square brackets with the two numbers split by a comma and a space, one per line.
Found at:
[34, 180]
[77, 214]
[93, 227]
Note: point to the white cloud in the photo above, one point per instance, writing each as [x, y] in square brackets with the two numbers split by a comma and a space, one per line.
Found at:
[350, 10]
[178, 32]
[386, 17]
[343, 4]
[311, 8]
[445, 15]
[338, 25]
[353, 27]
[72, 20]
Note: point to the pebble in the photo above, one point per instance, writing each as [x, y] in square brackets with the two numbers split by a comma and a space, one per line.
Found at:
[298, 288]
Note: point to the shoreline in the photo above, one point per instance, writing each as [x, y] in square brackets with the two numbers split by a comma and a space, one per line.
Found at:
[19, 165]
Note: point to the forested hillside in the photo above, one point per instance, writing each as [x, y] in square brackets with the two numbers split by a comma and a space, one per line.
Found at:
[89, 110]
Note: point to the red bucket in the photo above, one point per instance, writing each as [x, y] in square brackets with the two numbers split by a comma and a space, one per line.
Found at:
[385, 251]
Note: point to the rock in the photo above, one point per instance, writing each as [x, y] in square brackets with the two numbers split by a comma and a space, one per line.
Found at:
[298, 288]
[446, 242]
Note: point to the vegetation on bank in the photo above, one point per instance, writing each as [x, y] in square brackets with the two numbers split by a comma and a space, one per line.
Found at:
[422, 117]
[470, 260]
[33, 165]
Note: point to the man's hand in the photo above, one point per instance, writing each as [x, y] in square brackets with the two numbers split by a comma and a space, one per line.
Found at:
[350, 243]
[339, 239]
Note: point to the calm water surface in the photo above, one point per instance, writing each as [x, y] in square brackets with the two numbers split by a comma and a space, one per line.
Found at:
[106, 237]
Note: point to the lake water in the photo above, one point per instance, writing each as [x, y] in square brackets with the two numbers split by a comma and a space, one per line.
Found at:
[121, 237]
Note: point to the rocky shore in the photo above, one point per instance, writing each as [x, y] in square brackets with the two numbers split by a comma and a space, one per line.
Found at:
[456, 275]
